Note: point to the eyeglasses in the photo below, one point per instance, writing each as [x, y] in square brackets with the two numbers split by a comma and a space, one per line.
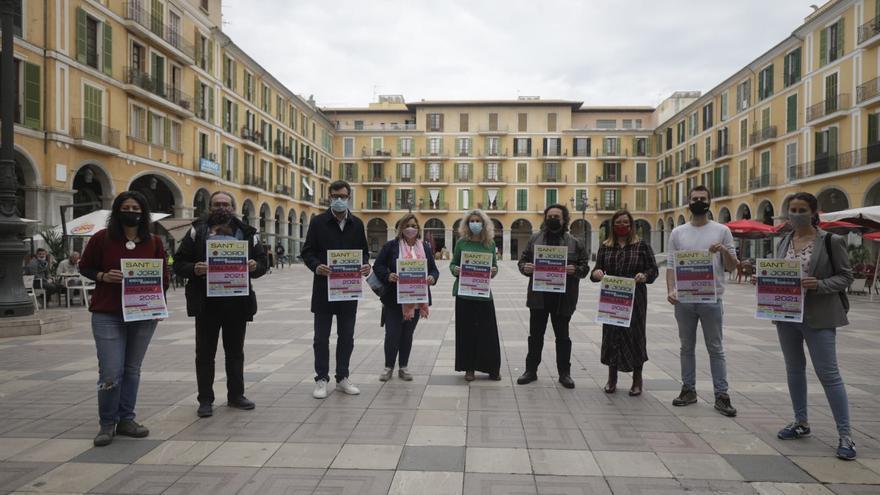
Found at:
[343, 197]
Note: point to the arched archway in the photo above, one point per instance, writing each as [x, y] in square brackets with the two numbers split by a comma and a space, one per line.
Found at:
[681, 220]
[872, 196]
[670, 224]
[435, 233]
[661, 227]
[201, 202]
[582, 230]
[710, 215]
[292, 247]
[783, 212]
[743, 212]
[520, 233]
[832, 199]
[724, 215]
[303, 225]
[92, 188]
[265, 223]
[248, 211]
[377, 235]
[643, 229]
[499, 237]
[765, 215]
[281, 232]
[162, 193]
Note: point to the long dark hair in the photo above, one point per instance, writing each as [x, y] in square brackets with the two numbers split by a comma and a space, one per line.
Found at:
[114, 221]
[811, 201]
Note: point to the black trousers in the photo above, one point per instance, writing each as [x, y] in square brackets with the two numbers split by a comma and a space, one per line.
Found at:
[398, 336]
[209, 324]
[537, 328]
[344, 344]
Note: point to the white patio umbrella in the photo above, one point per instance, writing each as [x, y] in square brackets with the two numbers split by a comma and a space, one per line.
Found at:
[868, 216]
[90, 223]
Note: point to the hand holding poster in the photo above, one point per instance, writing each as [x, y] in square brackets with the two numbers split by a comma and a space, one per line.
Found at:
[475, 274]
[779, 292]
[344, 281]
[412, 281]
[549, 274]
[227, 268]
[695, 277]
[616, 301]
[143, 297]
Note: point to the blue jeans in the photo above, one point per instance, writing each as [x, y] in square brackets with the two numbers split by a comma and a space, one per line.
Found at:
[121, 349]
[710, 317]
[823, 352]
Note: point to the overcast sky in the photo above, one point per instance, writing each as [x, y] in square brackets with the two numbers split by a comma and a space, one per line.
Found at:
[603, 52]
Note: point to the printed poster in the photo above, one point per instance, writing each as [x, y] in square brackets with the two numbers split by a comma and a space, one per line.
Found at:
[475, 274]
[779, 292]
[616, 297]
[344, 281]
[549, 274]
[227, 268]
[412, 281]
[695, 277]
[143, 297]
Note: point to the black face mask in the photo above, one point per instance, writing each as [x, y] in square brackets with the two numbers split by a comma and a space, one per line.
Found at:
[553, 224]
[130, 218]
[219, 217]
[699, 208]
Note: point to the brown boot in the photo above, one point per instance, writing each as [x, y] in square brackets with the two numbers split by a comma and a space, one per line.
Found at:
[611, 386]
[636, 388]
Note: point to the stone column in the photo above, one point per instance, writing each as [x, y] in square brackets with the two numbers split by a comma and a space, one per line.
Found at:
[506, 254]
[447, 238]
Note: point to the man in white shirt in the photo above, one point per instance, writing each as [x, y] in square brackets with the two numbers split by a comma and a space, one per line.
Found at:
[702, 234]
[70, 265]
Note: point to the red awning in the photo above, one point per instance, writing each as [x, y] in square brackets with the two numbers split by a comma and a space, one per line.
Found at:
[750, 229]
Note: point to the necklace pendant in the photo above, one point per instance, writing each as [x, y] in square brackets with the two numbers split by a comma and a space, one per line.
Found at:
[130, 245]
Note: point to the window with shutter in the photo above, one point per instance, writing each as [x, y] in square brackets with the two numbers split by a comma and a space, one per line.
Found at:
[32, 96]
[791, 113]
[522, 122]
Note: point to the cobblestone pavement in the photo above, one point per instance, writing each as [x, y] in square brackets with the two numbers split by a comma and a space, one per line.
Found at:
[436, 434]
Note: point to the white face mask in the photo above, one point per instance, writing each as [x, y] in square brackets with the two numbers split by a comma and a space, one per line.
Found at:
[476, 227]
[338, 205]
[410, 233]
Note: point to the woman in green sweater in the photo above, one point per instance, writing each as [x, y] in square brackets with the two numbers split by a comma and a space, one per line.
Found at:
[476, 330]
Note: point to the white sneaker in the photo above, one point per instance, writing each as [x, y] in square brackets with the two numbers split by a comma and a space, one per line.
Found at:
[345, 386]
[320, 389]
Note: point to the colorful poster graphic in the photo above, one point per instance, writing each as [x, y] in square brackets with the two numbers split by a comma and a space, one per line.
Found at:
[227, 268]
[344, 281]
[616, 297]
[779, 292]
[143, 297]
[549, 274]
[475, 275]
[412, 281]
[695, 277]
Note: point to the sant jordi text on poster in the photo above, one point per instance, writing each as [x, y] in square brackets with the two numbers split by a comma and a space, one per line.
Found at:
[143, 297]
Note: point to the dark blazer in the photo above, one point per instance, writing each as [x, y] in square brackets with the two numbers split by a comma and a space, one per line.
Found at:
[577, 256]
[386, 264]
[192, 250]
[823, 307]
[324, 234]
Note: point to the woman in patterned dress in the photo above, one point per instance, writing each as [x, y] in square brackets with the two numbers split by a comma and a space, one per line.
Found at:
[623, 254]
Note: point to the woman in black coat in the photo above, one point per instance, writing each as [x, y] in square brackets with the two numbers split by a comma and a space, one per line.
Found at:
[401, 319]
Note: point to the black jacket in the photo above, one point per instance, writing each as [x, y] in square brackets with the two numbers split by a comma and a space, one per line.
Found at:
[323, 235]
[386, 264]
[577, 256]
[192, 250]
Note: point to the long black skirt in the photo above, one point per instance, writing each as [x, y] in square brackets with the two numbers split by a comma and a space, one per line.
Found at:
[626, 348]
[476, 336]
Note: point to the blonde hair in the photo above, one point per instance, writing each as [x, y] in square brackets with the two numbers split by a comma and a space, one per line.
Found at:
[403, 221]
[612, 239]
[487, 235]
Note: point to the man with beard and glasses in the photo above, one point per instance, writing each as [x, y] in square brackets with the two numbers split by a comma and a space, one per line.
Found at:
[702, 234]
[230, 314]
[558, 307]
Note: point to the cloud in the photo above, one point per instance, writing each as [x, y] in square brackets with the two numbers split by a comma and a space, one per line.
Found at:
[604, 52]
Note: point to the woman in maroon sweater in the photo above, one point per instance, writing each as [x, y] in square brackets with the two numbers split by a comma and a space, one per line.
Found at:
[121, 345]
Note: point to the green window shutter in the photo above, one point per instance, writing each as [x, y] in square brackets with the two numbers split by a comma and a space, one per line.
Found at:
[225, 70]
[823, 47]
[80, 35]
[791, 113]
[32, 95]
[210, 56]
[198, 46]
[840, 35]
[149, 127]
[108, 49]
[210, 116]
[399, 147]
[832, 141]
[872, 126]
[769, 81]
[235, 117]
[460, 200]
[167, 124]
[197, 98]
[786, 67]
[761, 85]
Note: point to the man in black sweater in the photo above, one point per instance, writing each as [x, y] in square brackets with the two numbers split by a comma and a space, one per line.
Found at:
[336, 228]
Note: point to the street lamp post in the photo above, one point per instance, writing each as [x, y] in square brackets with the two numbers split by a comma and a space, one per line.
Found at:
[582, 207]
[13, 297]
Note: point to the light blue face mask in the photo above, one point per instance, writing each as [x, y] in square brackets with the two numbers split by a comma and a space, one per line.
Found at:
[338, 205]
[476, 227]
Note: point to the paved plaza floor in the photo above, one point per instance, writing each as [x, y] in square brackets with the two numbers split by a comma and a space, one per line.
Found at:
[436, 434]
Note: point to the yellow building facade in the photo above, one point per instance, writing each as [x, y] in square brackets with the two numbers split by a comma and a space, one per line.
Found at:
[151, 95]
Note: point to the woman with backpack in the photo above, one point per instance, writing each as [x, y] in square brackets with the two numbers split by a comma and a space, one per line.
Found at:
[826, 276]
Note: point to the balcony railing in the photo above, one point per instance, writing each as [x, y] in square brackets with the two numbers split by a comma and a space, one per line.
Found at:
[493, 179]
[828, 107]
[405, 204]
[692, 163]
[136, 77]
[282, 189]
[375, 205]
[666, 205]
[307, 163]
[613, 152]
[762, 181]
[762, 135]
[134, 11]
[557, 178]
[869, 29]
[251, 180]
[253, 136]
[719, 191]
[720, 151]
[326, 172]
[305, 196]
[554, 154]
[377, 153]
[393, 126]
[429, 205]
[92, 131]
[493, 206]
[665, 172]
[430, 179]
[611, 178]
[376, 179]
[825, 164]
[492, 153]
[868, 90]
[464, 178]
[609, 205]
